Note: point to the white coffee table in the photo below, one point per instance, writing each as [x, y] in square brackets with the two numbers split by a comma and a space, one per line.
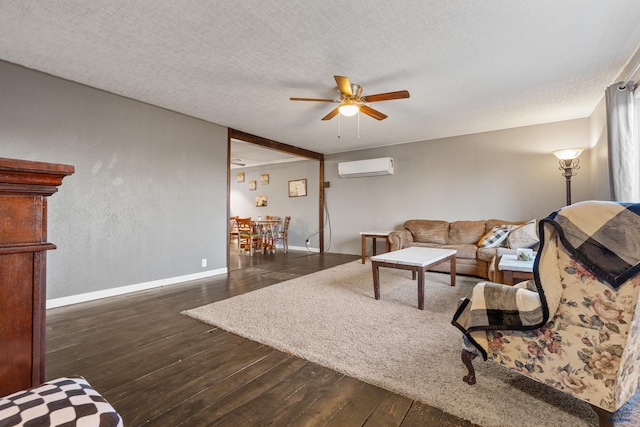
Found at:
[416, 259]
[513, 269]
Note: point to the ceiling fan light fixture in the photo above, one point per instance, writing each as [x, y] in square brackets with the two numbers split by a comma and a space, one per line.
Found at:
[348, 110]
[353, 102]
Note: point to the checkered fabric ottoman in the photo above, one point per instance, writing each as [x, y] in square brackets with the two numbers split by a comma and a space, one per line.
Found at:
[64, 402]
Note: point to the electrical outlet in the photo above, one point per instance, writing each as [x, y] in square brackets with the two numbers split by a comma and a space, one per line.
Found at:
[204, 262]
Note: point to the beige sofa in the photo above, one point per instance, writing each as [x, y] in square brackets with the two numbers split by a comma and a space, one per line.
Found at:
[463, 236]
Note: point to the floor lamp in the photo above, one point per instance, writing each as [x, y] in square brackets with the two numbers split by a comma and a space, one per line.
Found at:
[569, 163]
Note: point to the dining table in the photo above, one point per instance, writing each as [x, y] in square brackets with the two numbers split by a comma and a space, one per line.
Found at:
[266, 229]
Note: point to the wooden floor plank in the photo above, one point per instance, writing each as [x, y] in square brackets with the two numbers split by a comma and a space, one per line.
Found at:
[127, 362]
[159, 368]
[122, 338]
[205, 406]
[421, 415]
[213, 371]
[358, 409]
[284, 401]
[223, 400]
[325, 408]
[390, 412]
[449, 420]
[171, 376]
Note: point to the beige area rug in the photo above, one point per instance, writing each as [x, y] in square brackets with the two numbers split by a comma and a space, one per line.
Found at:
[331, 318]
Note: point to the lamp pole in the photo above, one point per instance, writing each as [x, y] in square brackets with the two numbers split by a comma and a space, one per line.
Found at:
[568, 168]
[569, 163]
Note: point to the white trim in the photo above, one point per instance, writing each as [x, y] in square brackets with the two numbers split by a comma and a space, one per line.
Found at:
[89, 296]
[302, 248]
[280, 247]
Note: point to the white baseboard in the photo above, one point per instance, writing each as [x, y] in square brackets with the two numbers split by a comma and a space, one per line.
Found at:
[303, 248]
[90, 296]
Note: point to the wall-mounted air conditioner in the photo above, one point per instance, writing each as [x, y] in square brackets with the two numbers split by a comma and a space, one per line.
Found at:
[369, 167]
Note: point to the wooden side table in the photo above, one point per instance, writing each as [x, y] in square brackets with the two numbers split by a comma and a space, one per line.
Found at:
[373, 235]
[513, 270]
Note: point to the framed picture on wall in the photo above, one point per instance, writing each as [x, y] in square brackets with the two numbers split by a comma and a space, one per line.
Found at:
[298, 188]
[240, 177]
[252, 185]
[264, 178]
[261, 201]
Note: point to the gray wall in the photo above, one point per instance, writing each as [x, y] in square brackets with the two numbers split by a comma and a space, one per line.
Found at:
[508, 174]
[600, 186]
[148, 199]
[303, 210]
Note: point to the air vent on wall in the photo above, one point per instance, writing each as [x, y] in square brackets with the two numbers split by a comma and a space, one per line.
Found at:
[369, 167]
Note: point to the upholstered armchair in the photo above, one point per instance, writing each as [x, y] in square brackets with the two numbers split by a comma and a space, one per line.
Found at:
[576, 326]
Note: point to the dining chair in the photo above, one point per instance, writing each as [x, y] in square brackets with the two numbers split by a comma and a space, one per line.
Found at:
[248, 237]
[268, 230]
[282, 235]
[233, 230]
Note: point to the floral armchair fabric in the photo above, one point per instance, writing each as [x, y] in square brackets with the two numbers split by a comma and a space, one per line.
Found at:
[576, 327]
[591, 347]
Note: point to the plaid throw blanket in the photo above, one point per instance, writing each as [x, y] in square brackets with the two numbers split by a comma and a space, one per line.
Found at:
[598, 234]
[602, 236]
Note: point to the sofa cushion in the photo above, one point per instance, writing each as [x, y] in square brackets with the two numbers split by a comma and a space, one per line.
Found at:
[486, 254]
[495, 236]
[524, 236]
[464, 251]
[423, 245]
[465, 232]
[428, 231]
[490, 223]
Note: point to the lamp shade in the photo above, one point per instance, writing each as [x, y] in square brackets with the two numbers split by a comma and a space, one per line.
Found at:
[568, 153]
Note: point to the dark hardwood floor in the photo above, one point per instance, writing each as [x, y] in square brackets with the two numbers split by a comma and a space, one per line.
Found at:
[159, 368]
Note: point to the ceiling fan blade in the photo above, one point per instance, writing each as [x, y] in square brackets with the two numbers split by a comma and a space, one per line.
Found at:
[312, 99]
[386, 96]
[331, 114]
[372, 113]
[344, 85]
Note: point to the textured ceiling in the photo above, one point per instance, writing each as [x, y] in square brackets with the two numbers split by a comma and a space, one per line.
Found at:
[469, 66]
[245, 154]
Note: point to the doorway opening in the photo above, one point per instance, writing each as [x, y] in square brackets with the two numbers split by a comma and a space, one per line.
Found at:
[250, 188]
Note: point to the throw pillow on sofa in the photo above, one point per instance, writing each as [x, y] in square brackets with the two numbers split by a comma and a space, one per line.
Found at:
[495, 236]
[525, 236]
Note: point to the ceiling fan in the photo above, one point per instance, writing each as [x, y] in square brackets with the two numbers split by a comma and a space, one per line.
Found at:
[351, 100]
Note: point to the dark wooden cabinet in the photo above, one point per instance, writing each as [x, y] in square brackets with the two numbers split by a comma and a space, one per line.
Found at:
[24, 188]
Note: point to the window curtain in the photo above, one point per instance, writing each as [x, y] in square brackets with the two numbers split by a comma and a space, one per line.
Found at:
[623, 123]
